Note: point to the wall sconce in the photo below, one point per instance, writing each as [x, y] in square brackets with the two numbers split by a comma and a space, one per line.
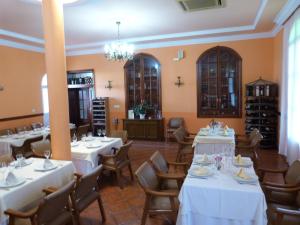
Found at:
[1, 88]
[179, 82]
[109, 86]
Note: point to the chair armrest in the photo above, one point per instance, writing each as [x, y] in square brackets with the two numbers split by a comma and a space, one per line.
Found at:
[185, 143]
[282, 189]
[50, 190]
[161, 194]
[287, 211]
[172, 176]
[189, 138]
[178, 163]
[271, 184]
[78, 175]
[272, 170]
[19, 214]
[106, 156]
[247, 147]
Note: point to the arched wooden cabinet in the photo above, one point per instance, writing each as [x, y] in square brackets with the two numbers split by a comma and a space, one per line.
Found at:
[142, 82]
[219, 83]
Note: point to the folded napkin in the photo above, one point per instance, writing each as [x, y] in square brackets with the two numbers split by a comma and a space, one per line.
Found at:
[10, 178]
[47, 164]
[226, 132]
[226, 127]
[205, 158]
[242, 174]
[207, 127]
[239, 159]
[201, 171]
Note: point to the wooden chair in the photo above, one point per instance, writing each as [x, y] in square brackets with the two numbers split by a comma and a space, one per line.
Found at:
[36, 125]
[172, 125]
[117, 162]
[246, 139]
[284, 199]
[158, 201]
[184, 145]
[81, 130]
[25, 149]
[53, 209]
[120, 134]
[162, 168]
[38, 148]
[23, 128]
[86, 192]
[6, 158]
[72, 132]
[7, 131]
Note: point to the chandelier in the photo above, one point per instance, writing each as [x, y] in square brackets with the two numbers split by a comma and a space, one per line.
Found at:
[118, 51]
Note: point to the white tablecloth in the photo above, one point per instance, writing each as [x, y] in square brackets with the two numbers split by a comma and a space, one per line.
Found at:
[30, 192]
[18, 140]
[221, 200]
[215, 143]
[85, 159]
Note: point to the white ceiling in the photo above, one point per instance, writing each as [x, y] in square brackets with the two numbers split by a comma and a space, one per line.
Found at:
[91, 23]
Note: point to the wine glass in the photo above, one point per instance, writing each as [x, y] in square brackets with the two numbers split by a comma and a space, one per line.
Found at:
[83, 137]
[74, 138]
[104, 133]
[99, 132]
[47, 154]
[90, 134]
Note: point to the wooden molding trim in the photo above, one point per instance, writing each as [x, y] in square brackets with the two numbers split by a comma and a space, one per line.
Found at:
[21, 117]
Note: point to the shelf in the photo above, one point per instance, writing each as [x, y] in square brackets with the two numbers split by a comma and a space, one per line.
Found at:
[80, 85]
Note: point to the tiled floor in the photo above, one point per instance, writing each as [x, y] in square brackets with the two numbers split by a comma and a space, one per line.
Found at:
[125, 207]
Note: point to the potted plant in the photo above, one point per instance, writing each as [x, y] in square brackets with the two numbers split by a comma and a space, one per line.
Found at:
[141, 109]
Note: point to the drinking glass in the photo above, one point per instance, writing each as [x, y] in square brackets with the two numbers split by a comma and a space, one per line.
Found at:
[19, 158]
[104, 133]
[74, 138]
[47, 154]
[83, 137]
[90, 134]
[99, 132]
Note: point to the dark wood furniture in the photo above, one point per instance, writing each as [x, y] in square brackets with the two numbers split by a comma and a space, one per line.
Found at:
[25, 149]
[262, 111]
[142, 82]
[117, 162]
[219, 83]
[184, 145]
[81, 92]
[172, 125]
[100, 112]
[148, 129]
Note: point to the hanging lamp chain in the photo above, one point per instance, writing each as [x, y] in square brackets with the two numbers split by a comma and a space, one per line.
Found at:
[118, 24]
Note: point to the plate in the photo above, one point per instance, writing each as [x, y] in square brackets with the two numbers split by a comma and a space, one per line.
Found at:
[88, 139]
[25, 162]
[4, 136]
[42, 169]
[194, 172]
[203, 134]
[245, 163]
[94, 145]
[107, 139]
[202, 162]
[20, 137]
[20, 181]
[251, 180]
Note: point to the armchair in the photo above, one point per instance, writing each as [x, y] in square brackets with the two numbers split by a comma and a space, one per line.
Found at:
[172, 125]
[184, 145]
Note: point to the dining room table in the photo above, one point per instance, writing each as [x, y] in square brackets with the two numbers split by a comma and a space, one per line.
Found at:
[85, 153]
[32, 178]
[221, 197]
[215, 140]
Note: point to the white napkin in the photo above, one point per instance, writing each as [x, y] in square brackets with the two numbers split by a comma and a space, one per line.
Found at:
[47, 164]
[10, 177]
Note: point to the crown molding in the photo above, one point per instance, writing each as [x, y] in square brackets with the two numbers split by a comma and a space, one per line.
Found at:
[21, 36]
[22, 46]
[286, 11]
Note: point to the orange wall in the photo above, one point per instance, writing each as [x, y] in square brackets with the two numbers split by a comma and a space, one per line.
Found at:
[257, 58]
[20, 73]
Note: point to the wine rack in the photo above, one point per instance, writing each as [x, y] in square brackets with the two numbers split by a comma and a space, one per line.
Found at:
[100, 114]
[262, 111]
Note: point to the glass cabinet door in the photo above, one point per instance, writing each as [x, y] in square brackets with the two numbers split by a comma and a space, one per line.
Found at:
[218, 83]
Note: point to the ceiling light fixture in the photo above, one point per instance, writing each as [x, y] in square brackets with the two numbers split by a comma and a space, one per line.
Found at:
[118, 51]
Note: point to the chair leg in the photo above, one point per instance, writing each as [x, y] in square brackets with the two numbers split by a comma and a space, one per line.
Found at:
[100, 203]
[118, 173]
[77, 217]
[145, 212]
[130, 170]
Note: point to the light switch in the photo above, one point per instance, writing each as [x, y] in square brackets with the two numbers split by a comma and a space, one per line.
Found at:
[116, 106]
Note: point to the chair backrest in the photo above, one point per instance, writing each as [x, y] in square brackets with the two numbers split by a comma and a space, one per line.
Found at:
[83, 129]
[146, 177]
[25, 149]
[175, 122]
[7, 131]
[253, 133]
[23, 128]
[179, 134]
[40, 147]
[120, 134]
[122, 153]
[159, 162]
[72, 132]
[36, 125]
[87, 184]
[256, 140]
[293, 174]
[53, 207]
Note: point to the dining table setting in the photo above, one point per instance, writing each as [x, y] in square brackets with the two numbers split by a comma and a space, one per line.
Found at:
[221, 189]
[22, 182]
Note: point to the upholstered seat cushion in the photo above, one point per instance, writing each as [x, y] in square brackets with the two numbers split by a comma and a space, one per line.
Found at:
[169, 184]
[287, 219]
[163, 203]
